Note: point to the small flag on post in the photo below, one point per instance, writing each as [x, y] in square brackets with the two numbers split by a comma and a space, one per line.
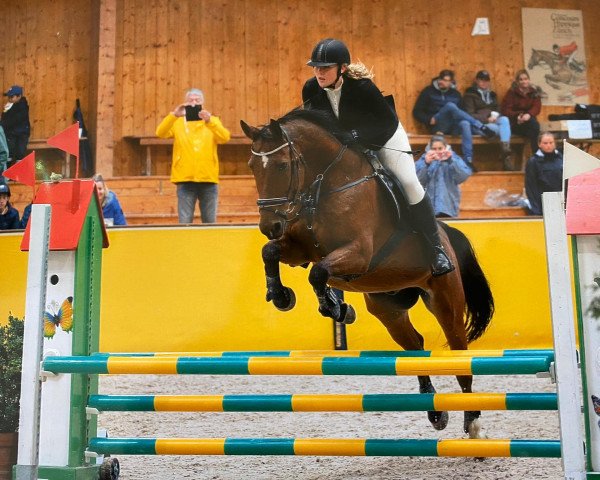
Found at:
[68, 141]
[23, 171]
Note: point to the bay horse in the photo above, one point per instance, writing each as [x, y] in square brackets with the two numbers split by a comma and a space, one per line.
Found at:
[561, 72]
[320, 202]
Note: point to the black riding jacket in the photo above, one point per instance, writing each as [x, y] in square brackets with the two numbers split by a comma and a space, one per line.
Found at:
[364, 111]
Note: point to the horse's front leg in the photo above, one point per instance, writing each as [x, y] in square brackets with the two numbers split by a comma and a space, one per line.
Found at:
[350, 260]
[282, 297]
[330, 304]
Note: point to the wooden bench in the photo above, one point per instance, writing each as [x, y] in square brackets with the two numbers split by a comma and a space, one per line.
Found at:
[42, 144]
[416, 141]
[148, 142]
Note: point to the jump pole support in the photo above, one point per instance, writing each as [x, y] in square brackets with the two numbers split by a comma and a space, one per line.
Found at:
[563, 330]
[29, 416]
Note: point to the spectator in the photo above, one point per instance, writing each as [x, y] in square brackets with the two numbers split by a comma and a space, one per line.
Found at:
[440, 171]
[543, 172]
[9, 216]
[438, 108]
[4, 154]
[15, 121]
[522, 104]
[345, 89]
[195, 168]
[111, 208]
[482, 103]
[25, 217]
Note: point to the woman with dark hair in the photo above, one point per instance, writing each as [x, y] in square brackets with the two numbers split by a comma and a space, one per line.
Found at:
[522, 104]
[346, 90]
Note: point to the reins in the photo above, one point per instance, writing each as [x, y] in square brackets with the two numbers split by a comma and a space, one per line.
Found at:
[303, 203]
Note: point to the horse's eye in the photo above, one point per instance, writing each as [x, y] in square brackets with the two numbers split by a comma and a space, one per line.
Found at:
[282, 167]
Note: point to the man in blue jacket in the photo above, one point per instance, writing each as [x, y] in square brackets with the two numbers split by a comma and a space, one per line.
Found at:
[438, 108]
[15, 122]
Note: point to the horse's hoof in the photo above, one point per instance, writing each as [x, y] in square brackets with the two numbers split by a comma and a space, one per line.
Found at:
[474, 429]
[289, 300]
[347, 314]
[439, 420]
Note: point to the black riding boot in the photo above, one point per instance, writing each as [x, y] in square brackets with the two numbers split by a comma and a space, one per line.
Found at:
[423, 220]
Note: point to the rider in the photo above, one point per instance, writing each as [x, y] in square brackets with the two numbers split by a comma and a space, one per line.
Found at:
[346, 90]
[566, 55]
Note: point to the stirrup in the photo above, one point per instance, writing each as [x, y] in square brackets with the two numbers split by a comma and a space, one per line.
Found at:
[441, 263]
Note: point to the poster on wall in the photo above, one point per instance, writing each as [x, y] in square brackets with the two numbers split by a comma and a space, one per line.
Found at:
[554, 53]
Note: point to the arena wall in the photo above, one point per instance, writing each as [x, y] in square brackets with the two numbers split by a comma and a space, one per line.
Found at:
[193, 289]
[130, 61]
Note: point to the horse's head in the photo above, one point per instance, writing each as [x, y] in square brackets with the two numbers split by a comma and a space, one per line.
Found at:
[534, 59]
[274, 164]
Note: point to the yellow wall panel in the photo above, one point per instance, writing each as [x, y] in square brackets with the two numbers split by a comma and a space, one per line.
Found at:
[195, 289]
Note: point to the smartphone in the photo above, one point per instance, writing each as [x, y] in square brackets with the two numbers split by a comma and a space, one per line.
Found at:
[191, 112]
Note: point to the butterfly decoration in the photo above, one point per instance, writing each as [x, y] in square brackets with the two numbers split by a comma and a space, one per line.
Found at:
[596, 403]
[63, 317]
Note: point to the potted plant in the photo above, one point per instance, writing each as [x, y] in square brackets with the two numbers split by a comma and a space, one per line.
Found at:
[11, 350]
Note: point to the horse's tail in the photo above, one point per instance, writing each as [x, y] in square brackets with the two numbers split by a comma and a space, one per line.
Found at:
[479, 307]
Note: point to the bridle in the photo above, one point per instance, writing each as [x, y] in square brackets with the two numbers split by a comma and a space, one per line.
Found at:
[301, 203]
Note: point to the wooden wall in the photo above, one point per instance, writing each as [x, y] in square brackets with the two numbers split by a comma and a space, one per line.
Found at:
[247, 55]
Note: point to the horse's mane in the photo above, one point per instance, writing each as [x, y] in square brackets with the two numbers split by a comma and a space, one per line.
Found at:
[317, 117]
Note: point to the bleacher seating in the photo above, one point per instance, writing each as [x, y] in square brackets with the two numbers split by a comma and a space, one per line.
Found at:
[153, 200]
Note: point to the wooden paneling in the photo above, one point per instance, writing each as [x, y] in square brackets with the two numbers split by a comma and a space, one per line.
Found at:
[249, 56]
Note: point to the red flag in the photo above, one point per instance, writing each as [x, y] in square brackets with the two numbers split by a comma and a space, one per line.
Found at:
[23, 171]
[67, 140]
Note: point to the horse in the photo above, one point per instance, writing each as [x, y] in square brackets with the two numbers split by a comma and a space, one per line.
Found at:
[561, 72]
[321, 202]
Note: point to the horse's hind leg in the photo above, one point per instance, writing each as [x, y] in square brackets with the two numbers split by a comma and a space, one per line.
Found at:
[392, 311]
[282, 297]
[448, 308]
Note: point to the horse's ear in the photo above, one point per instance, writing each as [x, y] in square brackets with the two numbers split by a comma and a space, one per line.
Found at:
[250, 132]
[275, 129]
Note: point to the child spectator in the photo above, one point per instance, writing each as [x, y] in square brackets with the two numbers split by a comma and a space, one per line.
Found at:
[9, 216]
[543, 172]
[522, 104]
[15, 122]
[440, 171]
[111, 208]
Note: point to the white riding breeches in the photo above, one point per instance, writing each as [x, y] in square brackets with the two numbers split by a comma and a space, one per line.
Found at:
[402, 165]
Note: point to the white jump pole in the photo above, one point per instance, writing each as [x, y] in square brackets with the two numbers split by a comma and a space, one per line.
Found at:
[29, 417]
[563, 326]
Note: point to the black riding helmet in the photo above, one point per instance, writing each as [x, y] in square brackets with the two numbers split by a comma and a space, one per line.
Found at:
[4, 188]
[329, 52]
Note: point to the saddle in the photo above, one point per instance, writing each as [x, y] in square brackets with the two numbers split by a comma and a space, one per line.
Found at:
[397, 198]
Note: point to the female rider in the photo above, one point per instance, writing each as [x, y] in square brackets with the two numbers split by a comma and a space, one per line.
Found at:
[346, 90]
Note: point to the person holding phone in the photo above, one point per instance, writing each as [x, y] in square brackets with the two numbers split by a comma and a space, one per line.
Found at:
[195, 168]
[441, 171]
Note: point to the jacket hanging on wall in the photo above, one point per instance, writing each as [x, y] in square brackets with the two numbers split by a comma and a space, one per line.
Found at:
[86, 162]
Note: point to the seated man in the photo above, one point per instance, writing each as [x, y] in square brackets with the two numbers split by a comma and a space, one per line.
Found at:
[482, 103]
[438, 108]
[543, 172]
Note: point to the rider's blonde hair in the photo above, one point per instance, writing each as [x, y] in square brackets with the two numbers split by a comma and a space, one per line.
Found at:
[359, 70]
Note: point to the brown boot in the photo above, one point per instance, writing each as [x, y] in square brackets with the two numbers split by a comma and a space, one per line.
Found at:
[506, 157]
